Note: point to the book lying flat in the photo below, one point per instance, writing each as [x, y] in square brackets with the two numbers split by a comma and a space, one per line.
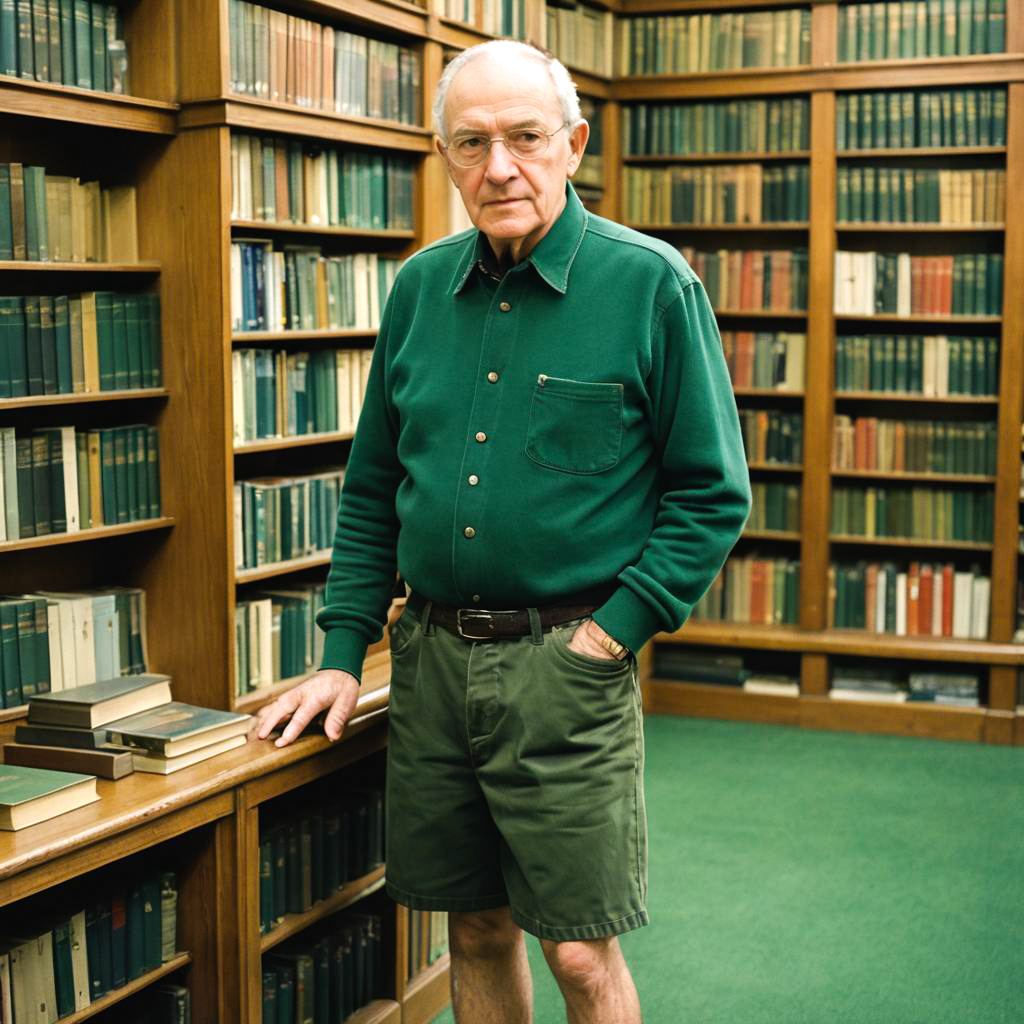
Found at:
[96, 704]
[31, 795]
[107, 762]
[174, 729]
[61, 736]
[146, 762]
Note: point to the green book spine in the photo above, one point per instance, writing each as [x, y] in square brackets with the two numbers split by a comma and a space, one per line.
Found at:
[53, 36]
[119, 322]
[996, 26]
[48, 344]
[83, 44]
[105, 340]
[29, 670]
[151, 939]
[153, 469]
[41, 639]
[133, 305]
[42, 498]
[7, 339]
[67, 41]
[152, 357]
[6, 226]
[26, 50]
[41, 40]
[32, 201]
[98, 37]
[140, 472]
[135, 954]
[122, 506]
[58, 513]
[8, 39]
[108, 479]
[64, 982]
[62, 339]
[10, 663]
[26, 491]
[33, 346]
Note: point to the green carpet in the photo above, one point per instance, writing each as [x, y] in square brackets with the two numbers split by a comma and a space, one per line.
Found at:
[801, 877]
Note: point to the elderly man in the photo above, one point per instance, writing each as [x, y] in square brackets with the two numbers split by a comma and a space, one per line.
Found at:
[549, 454]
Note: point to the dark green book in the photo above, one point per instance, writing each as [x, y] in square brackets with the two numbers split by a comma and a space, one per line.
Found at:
[8, 40]
[108, 479]
[67, 41]
[36, 226]
[151, 938]
[176, 728]
[48, 344]
[16, 346]
[6, 231]
[83, 43]
[105, 346]
[64, 982]
[33, 345]
[58, 736]
[120, 340]
[119, 938]
[135, 952]
[100, 64]
[269, 988]
[133, 305]
[53, 37]
[29, 795]
[92, 948]
[122, 495]
[95, 704]
[41, 40]
[42, 498]
[62, 337]
[26, 50]
[266, 885]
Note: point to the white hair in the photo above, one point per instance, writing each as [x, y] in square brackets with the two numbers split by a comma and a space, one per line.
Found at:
[565, 88]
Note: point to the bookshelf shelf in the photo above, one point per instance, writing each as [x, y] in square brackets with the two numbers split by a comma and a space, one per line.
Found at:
[911, 542]
[922, 318]
[344, 897]
[766, 227]
[398, 15]
[845, 642]
[775, 467]
[908, 396]
[427, 993]
[716, 84]
[322, 230]
[266, 572]
[775, 314]
[274, 444]
[94, 533]
[591, 84]
[380, 1011]
[766, 393]
[708, 158]
[891, 474]
[277, 119]
[787, 535]
[255, 699]
[925, 228]
[52, 267]
[86, 106]
[902, 152]
[117, 996]
[83, 398]
[326, 334]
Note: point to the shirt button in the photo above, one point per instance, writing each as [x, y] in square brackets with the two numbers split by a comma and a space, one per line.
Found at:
[481, 436]
[476, 599]
[504, 307]
[469, 532]
[473, 480]
[492, 377]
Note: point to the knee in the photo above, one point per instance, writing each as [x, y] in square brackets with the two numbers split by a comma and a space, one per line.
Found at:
[483, 934]
[582, 965]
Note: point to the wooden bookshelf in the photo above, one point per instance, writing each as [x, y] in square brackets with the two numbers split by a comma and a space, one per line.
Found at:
[50, 540]
[83, 398]
[273, 444]
[120, 994]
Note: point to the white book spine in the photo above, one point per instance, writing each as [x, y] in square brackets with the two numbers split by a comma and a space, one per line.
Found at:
[901, 604]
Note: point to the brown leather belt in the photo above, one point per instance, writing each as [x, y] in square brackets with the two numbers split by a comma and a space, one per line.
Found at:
[481, 624]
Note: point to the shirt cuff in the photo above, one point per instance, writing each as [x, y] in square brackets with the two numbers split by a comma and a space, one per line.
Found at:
[344, 650]
[630, 620]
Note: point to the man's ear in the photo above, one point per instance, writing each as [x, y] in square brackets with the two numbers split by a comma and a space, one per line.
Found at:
[577, 145]
[444, 158]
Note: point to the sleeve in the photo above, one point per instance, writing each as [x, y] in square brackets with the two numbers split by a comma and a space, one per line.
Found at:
[364, 560]
[705, 496]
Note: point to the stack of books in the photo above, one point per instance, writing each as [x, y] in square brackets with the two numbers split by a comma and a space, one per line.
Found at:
[117, 726]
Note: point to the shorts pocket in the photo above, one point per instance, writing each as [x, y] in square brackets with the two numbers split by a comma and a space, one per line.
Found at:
[575, 426]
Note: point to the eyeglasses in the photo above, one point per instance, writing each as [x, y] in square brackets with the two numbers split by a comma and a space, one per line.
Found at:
[524, 143]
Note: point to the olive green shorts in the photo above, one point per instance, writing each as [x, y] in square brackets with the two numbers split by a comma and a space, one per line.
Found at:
[515, 778]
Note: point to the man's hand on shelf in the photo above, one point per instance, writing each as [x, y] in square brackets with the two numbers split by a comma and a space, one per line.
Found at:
[329, 690]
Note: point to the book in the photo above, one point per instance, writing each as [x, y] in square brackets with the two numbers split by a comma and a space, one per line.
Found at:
[32, 795]
[167, 765]
[173, 729]
[96, 704]
[107, 763]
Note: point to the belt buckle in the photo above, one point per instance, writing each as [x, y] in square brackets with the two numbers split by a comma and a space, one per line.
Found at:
[472, 612]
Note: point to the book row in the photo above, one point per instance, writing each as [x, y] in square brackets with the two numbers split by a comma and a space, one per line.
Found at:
[287, 181]
[276, 636]
[922, 446]
[936, 365]
[965, 284]
[287, 394]
[765, 359]
[718, 194]
[66, 42]
[759, 591]
[754, 279]
[580, 36]
[61, 480]
[298, 288]
[286, 59]
[684, 44]
[775, 506]
[717, 669]
[923, 196]
[427, 939]
[278, 519]
[917, 513]
[905, 119]
[773, 437]
[110, 942]
[77, 344]
[901, 29]
[308, 856]
[590, 172]
[51, 642]
[492, 17]
[954, 689]
[54, 217]
[920, 599]
[325, 978]
[726, 126]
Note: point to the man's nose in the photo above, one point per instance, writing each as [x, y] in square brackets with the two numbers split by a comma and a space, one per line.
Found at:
[500, 166]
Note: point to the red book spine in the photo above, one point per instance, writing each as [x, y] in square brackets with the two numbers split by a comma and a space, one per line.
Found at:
[947, 600]
[913, 598]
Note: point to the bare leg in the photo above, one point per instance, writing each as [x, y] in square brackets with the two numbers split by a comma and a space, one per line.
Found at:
[595, 981]
[490, 974]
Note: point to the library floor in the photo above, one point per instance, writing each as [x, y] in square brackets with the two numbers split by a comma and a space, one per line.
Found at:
[802, 877]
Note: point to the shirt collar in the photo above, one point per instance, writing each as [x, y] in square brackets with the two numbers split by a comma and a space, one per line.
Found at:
[553, 255]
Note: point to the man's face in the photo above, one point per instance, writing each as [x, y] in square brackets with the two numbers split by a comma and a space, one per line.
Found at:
[511, 200]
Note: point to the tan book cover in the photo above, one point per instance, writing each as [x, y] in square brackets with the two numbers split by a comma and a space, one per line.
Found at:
[120, 225]
[90, 343]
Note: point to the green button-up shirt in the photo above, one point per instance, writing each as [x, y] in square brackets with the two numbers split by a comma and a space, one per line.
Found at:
[569, 425]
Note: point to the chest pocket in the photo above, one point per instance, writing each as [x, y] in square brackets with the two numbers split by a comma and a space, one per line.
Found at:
[575, 426]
